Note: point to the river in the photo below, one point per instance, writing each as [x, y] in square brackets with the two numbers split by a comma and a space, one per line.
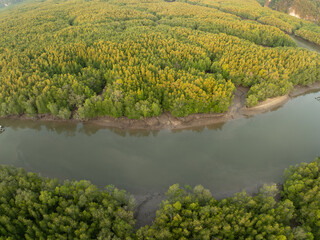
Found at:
[238, 155]
[225, 158]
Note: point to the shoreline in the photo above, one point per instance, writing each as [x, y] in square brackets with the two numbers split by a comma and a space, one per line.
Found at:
[167, 121]
[149, 203]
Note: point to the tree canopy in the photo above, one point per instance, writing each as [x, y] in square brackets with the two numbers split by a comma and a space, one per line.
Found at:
[32, 207]
[85, 59]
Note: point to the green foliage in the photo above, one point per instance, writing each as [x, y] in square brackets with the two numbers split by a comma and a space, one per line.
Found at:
[32, 207]
[250, 9]
[302, 187]
[277, 22]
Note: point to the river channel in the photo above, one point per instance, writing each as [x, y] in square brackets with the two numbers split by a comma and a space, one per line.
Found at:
[225, 158]
[238, 155]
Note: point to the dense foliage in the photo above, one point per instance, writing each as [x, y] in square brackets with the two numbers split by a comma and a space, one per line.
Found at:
[306, 9]
[302, 187]
[38, 208]
[86, 59]
[32, 207]
[251, 9]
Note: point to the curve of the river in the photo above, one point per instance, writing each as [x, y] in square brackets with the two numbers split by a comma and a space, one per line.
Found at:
[241, 154]
[226, 158]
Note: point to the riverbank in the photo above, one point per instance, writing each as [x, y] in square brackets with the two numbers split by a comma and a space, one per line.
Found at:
[167, 121]
[237, 110]
[148, 204]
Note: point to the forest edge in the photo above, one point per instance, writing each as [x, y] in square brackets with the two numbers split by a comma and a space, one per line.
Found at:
[167, 121]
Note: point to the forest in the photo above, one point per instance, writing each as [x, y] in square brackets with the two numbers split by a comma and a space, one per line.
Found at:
[86, 59]
[33, 207]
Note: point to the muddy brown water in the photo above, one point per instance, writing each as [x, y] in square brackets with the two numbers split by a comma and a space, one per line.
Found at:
[238, 155]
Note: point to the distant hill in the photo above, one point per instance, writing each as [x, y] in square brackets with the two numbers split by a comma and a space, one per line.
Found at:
[7, 3]
[305, 9]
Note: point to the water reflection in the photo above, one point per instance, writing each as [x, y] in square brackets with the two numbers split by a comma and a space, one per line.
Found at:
[226, 158]
[59, 127]
[70, 128]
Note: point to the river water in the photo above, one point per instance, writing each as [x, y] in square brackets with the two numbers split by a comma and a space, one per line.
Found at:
[226, 158]
[239, 155]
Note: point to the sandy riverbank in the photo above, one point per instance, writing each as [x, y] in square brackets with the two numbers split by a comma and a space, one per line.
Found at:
[267, 105]
[167, 121]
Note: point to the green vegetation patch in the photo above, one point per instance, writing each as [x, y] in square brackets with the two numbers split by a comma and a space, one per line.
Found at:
[302, 187]
[86, 59]
[32, 207]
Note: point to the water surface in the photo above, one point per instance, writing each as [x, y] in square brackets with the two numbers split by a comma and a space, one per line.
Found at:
[226, 158]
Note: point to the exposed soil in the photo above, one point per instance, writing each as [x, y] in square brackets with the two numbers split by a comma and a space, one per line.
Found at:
[267, 105]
